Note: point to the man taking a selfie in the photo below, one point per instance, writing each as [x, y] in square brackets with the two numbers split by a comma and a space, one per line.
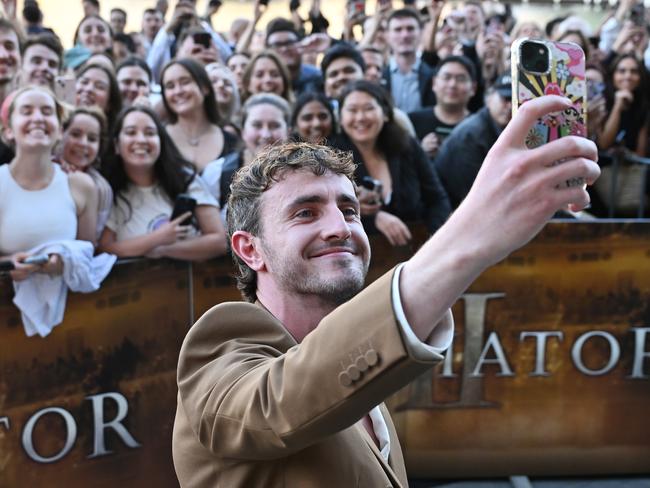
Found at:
[287, 390]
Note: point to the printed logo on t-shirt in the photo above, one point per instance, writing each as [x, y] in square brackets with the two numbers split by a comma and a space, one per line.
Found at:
[157, 222]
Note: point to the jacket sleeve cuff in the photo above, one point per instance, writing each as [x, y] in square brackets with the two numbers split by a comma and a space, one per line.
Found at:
[439, 340]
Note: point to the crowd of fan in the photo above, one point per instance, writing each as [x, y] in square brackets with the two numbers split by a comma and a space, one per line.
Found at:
[99, 141]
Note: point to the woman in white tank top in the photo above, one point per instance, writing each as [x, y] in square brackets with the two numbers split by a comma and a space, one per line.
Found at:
[38, 202]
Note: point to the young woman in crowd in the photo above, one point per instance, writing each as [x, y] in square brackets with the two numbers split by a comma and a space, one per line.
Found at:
[267, 73]
[39, 203]
[237, 63]
[134, 80]
[265, 121]
[626, 95]
[195, 125]
[84, 132]
[147, 174]
[226, 93]
[408, 189]
[313, 118]
[97, 86]
[95, 34]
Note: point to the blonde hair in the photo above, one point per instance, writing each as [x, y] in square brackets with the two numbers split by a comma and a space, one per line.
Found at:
[13, 97]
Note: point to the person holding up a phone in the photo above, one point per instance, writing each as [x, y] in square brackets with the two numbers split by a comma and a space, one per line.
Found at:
[147, 174]
[39, 203]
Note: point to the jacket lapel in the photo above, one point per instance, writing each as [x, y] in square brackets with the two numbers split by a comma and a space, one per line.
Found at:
[375, 450]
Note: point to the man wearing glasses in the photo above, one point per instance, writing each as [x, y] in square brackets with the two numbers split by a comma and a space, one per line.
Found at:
[282, 37]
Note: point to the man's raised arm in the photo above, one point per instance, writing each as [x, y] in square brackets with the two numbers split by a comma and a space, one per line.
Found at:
[515, 194]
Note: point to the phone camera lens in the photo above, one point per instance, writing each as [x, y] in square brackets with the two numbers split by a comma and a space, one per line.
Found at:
[534, 57]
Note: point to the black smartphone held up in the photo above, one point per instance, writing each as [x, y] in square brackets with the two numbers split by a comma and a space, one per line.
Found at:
[375, 186]
[202, 38]
[6, 266]
[184, 203]
[264, 2]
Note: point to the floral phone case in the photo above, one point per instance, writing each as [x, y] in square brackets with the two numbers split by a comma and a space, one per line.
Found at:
[565, 77]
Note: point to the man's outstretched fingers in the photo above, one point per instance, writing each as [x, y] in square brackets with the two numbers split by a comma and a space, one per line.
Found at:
[577, 168]
[527, 116]
[569, 147]
[575, 199]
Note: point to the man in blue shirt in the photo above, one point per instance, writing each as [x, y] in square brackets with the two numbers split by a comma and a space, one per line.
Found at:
[282, 37]
[407, 77]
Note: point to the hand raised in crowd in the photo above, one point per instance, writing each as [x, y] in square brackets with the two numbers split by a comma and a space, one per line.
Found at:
[258, 10]
[9, 6]
[392, 227]
[184, 10]
[623, 99]
[318, 42]
[434, 7]
[22, 271]
[631, 39]
[211, 8]
[431, 144]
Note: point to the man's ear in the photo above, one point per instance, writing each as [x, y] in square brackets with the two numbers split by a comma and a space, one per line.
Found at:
[245, 245]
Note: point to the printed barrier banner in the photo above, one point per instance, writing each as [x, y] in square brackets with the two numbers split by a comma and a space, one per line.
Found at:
[549, 373]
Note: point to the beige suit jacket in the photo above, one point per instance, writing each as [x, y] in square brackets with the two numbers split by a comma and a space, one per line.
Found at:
[256, 409]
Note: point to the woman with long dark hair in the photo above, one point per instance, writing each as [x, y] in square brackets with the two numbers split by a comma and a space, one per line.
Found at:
[267, 73]
[626, 96]
[195, 124]
[405, 187]
[313, 118]
[147, 174]
[84, 134]
[96, 86]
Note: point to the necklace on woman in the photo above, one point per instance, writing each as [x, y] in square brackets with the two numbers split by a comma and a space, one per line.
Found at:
[194, 141]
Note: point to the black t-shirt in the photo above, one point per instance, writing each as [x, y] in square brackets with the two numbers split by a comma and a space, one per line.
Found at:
[425, 121]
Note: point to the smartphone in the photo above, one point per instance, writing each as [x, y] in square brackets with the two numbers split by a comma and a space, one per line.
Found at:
[37, 259]
[356, 8]
[184, 203]
[595, 89]
[6, 266]
[541, 68]
[264, 2]
[202, 38]
[65, 88]
[637, 14]
[215, 3]
[550, 68]
[375, 186]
